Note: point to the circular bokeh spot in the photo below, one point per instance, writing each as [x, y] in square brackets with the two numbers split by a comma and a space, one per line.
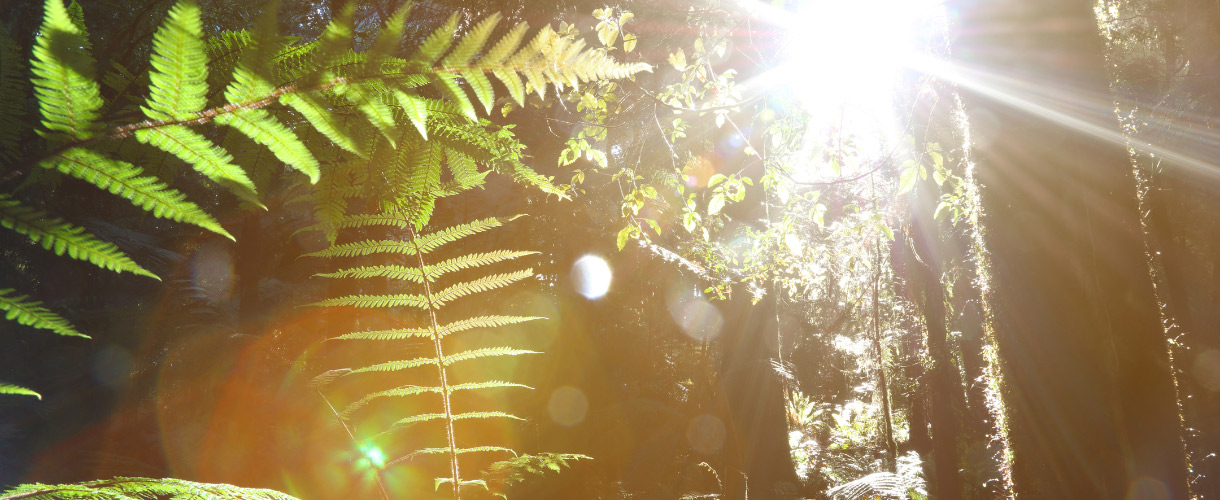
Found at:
[705, 434]
[699, 319]
[1146, 488]
[568, 406]
[112, 367]
[591, 276]
[1206, 369]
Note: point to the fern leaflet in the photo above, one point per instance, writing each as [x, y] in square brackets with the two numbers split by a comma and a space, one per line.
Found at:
[31, 313]
[61, 237]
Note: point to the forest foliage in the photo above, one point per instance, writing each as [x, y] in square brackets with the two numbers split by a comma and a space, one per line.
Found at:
[685, 279]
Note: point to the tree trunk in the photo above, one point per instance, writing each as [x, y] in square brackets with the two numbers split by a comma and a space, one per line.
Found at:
[946, 383]
[757, 422]
[1090, 397]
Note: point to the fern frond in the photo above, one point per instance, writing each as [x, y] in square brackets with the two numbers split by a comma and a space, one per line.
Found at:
[505, 47]
[458, 451]
[392, 334]
[337, 37]
[439, 300]
[491, 384]
[471, 415]
[427, 242]
[431, 241]
[12, 110]
[481, 86]
[31, 313]
[437, 42]
[390, 37]
[139, 488]
[123, 179]
[494, 321]
[261, 127]
[472, 42]
[483, 352]
[414, 179]
[432, 273]
[415, 390]
[63, 71]
[376, 301]
[416, 110]
[513, 470]
[399, 365]
[364, 96]
[323, 120]
[480, 285]
[448, 86]
[197, 151]
[365, 248]
[61, 237]
[442, 331]
[179, 70]
[397, 392]
[16, 390]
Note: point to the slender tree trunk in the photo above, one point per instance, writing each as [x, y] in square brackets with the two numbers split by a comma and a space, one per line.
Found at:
[1090, 396]
[891, 456]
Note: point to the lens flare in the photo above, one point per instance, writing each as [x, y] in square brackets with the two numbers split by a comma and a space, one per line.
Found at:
[591, 275]
[568, 406]
[374, 455]
[706, 434]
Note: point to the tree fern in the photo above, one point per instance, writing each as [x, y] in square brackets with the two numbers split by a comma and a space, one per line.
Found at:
[265, 80]
[431, 297]
[138, 488]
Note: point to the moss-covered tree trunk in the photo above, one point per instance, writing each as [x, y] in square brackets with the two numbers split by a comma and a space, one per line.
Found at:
[1090, 397]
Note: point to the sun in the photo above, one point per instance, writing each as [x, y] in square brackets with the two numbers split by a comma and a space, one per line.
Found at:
[851, 52]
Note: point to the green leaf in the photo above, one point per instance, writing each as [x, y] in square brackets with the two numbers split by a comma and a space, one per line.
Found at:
[179, 66]
[715, 204]
[31, 313]
[655, 227]
[197, 151]
[63, 70]
[17, 390]
[623, 235]
[60, 237]
[907, 181]
[123, 179]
